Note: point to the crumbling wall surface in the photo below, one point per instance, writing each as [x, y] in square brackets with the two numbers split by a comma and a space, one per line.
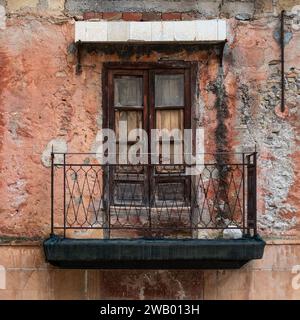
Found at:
[43, 102]
[253, 57]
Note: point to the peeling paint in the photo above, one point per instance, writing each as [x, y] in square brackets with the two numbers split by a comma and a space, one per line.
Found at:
[18, 190]
[287, 36]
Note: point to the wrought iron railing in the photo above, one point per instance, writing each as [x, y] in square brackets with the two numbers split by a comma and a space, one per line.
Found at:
[90, 200]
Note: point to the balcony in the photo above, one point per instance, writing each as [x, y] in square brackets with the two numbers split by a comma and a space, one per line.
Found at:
[153, 215]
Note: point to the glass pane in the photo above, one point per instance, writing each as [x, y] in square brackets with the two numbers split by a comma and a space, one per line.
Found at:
[128, 91]
[169, 119]
[132, 119]
[169, 90]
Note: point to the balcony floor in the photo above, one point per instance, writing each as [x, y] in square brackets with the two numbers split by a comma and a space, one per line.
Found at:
[152, 253]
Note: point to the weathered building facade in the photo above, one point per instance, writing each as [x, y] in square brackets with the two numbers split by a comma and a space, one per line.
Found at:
[52, 95]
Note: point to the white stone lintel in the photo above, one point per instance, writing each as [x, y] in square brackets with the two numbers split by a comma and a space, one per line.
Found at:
[151, 31]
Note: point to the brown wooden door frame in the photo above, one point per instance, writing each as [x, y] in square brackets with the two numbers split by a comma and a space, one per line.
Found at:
[147, 71]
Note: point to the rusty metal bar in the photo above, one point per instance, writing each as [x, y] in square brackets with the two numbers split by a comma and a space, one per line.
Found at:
[52, 194]
[244, 208]
[255, 192]
[251, 194]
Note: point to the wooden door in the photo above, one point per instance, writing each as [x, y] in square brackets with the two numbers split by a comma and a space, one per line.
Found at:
[149, 97]
[128, 103]
[170, 110]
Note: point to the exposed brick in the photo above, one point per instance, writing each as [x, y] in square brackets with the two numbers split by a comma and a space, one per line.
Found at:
[112, 15]
[92, 15]
[151, 16]
[190, 16]
[171, 16]
[132, 16]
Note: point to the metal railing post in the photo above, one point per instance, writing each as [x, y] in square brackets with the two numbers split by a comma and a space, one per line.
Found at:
[244, 208]
[64, 165]
[52, 194]
[255, 193]
[251, 194]
[248, 193]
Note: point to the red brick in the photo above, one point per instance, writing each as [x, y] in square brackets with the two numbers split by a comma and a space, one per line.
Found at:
[112, 15]
[189, 15]
[132, 16]
[92, 15]
[171, 16]
[151, 16]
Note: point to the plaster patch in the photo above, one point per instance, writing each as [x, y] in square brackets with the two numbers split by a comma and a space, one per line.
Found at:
[296, 17]
[16, 5]
[2, 18]
[2, 277]
[59, 145]
[57, 5]
[17, 189]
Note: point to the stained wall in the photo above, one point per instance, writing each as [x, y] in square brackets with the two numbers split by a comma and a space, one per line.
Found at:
[43, 102]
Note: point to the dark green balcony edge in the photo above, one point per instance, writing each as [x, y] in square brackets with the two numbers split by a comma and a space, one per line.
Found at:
[152, 254]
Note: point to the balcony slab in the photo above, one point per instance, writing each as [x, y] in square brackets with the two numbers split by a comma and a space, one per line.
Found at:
[152, 253]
